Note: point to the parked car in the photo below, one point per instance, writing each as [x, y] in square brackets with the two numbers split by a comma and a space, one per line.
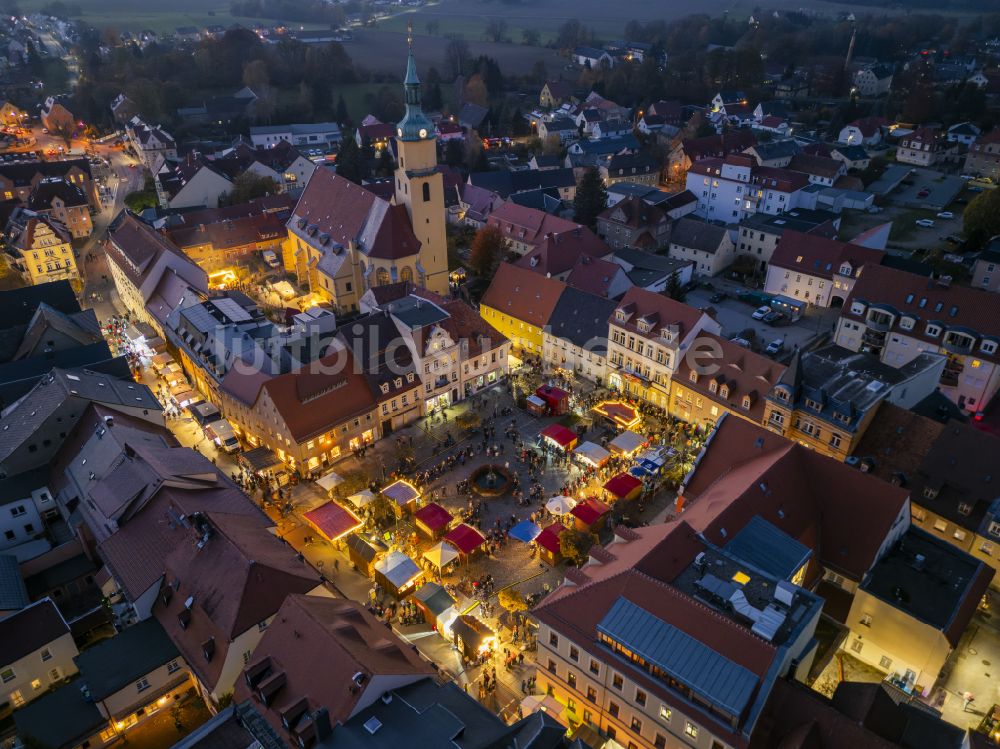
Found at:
[946, 215]
[775, 347]
[925, 222]
[774, 317]
[718, 297]
[923, 193]
[761, 312]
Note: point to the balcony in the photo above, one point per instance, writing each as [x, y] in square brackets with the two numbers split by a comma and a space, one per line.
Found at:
[873, 337]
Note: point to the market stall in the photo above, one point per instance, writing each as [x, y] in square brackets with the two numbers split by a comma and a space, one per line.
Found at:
[525, 532]
[556, 399]
[364, 552]
[560, 505]
[472, 636]
[545, 703]
[362, 499]
[437, 605]
[548, 543]
[623, 486]
[161, 361]
[627, 443]
[432, 520]
[403, 496]
[465, 538]
[536, 406]
[332, 521]
[618, 413]
[397, 574]
[559, 437]
[592, 454]
[329, 481]
[590, 515]
[260, 459]
[441, 555]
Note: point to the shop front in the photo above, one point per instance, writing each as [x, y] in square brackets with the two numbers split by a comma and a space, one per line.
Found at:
[438, 401]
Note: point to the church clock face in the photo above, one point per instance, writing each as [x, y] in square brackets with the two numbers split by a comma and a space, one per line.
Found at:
[399, 132]
[423, 132]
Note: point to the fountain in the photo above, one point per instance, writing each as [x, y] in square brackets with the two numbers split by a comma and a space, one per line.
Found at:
[490, 480]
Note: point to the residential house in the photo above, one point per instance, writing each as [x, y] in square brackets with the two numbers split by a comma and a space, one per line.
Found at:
[152, 277]
[223, 586]
[12, 115]
[300, 135]
[815, 269]
[724, 98]
[761, 232]
[557, 254]
[152, 144]
[983, 159]
[576, 339]
[123, 109]
[897, 315]
[648, 334]
[720, 377]
[610, 128]
[964, 133]
[826, 399]
[591, 57]
[986, 268]
[733, 188]
[604, 278]
[472, 116]
[56, 118]
[374, 134]
[19, 179]
[555, 94]
[776, 153]
[632, 222]
[709, 246]
[525, 229]
[874, 80]
[772, 124]
[866, 131]
[821, 170]
[321, 662]
[560, 127]
[651, 271]
[281, 162]
[637, 640]
[912, 608]
[37, 653]
[639, 168]
[192, 183]
[507, 183]
[922, 147]
[691, 150]
[855, 157]
[519, 304]
[476, 204]
[64, 202]
[38, 248]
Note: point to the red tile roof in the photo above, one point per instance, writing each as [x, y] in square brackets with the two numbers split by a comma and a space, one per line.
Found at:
[746, 470]
[558, 253]
[523, 295]
[821, 257]
[229, 234]
[520, 223]
[465, 538]
[236, 580]
[719, 145]
[868, 126]
[658, 308]
[559, 434]
[329, 652]
[590, 510]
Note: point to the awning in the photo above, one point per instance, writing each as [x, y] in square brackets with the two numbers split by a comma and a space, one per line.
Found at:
[401, 492]
[362, 499]
[366, 549]
[332, 520]
[434, 598]
[441, 555]
[398, 569]
[329, 481]
[560, 505]
[542, 702]
[474, 633]
[627, 442]
[465, 538]
[590, 511]
[562, 436]
[260, 459]
[623, 486]
[548, 539]
[186, 398]
[433, 517]
[525, 531]
[592, 453]
[161, 360]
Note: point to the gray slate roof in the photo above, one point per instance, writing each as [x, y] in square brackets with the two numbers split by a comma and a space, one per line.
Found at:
[698, 235]
[120, 661]
[582, 319]
[13, 594]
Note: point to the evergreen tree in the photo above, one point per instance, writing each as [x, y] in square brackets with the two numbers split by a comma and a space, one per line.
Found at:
[674, 288]
[349, 164]
[591, 198]
[342, 115]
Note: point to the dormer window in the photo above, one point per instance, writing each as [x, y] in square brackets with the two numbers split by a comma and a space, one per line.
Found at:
[409, 377]
[857, 308]
[384, 387]
[907, 323]
[713, 386]
[693, 376]
[781, 394]
[933, 330]
[747, 402]
[643, 326]
[620, 315]
[930, 492]
[811, 404]
[724, 391]
[989, 347]
[845, 269]
[399, 382]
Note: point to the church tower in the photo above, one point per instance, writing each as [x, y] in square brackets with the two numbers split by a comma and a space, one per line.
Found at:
[419, 186]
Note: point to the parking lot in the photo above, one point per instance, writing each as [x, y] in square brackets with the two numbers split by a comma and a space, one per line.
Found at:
[929, 189]
[736, 317]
